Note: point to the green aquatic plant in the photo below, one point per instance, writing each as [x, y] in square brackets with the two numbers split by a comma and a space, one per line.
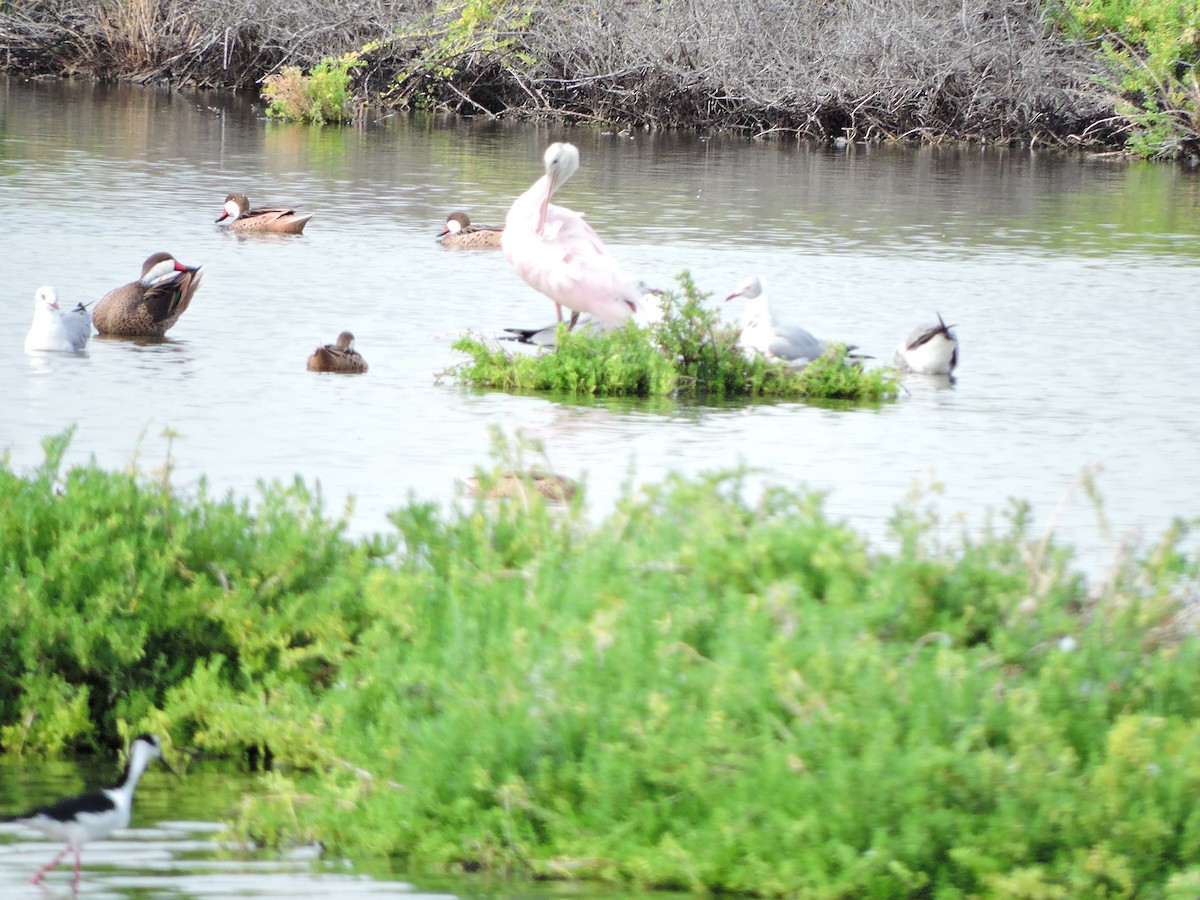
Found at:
[322, 95]
[690, 353]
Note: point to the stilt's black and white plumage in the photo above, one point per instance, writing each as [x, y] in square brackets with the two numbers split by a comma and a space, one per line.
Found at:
[929, 350]
[94, 815]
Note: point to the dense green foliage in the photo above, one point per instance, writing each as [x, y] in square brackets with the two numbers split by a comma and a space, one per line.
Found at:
[690, 353]
[711, 687]
[117, 596]
[323, 95]
[1154, 49]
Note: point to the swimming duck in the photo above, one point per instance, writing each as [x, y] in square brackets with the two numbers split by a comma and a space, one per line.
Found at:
[459, 232]
[763, 335]
[516, 485]
[929, 350]
[340, 357]
[54, 330]
[150, 306]
[275, 221]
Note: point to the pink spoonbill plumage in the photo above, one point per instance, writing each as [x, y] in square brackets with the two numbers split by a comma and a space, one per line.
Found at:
[557, 253]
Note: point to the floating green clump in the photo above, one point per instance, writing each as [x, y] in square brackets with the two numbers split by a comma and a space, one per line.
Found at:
[689, 354]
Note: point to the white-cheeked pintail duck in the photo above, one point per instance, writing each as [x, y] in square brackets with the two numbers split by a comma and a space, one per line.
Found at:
[340, 357]
[458, 232]
[150, 306]
[273, 221]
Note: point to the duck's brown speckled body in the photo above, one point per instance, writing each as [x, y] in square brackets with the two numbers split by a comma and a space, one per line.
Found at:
[458, 232]
[150, 306]
[273, 221]
[509, 485]
[340, 357]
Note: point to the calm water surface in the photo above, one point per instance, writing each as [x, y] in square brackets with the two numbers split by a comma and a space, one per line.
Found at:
[174, 850]
[1072, 282]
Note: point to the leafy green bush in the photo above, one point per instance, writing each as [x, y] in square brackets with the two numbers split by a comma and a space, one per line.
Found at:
[323, 95]
[1153, 47]
[457, 37]
[115, 593]
[707, 688]
[690, 353]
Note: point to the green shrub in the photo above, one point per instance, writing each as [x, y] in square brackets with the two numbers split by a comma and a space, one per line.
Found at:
[323, 95]
[115, 593]
[1153, 48]
[689, 354]
[460, 36]
[705, 688]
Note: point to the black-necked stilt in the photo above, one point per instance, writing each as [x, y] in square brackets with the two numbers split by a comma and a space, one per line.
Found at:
[96, 814]
[929, 350]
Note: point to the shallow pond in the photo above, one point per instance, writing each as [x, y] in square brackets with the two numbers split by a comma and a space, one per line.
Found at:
[175, 849]
[1072, 283]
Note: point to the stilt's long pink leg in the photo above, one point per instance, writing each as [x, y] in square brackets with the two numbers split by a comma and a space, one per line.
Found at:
[50, 865]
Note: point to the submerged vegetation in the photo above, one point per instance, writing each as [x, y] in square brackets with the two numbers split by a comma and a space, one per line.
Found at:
[689, 353]
[712, 687]
[1099, 73]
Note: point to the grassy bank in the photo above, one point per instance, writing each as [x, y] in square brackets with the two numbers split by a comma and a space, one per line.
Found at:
[701, 690]
[1076, 73]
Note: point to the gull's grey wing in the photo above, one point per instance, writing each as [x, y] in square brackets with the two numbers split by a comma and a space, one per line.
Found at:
[77, 327]
[795, 344]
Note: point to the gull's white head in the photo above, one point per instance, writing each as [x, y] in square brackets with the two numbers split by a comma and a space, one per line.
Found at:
[756, 312]
[750, 288]
[45, 298]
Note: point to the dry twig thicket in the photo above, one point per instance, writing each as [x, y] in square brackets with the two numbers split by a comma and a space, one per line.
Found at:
[862, 69]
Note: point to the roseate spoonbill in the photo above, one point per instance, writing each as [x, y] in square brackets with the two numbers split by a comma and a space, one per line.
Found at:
[556, 252]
